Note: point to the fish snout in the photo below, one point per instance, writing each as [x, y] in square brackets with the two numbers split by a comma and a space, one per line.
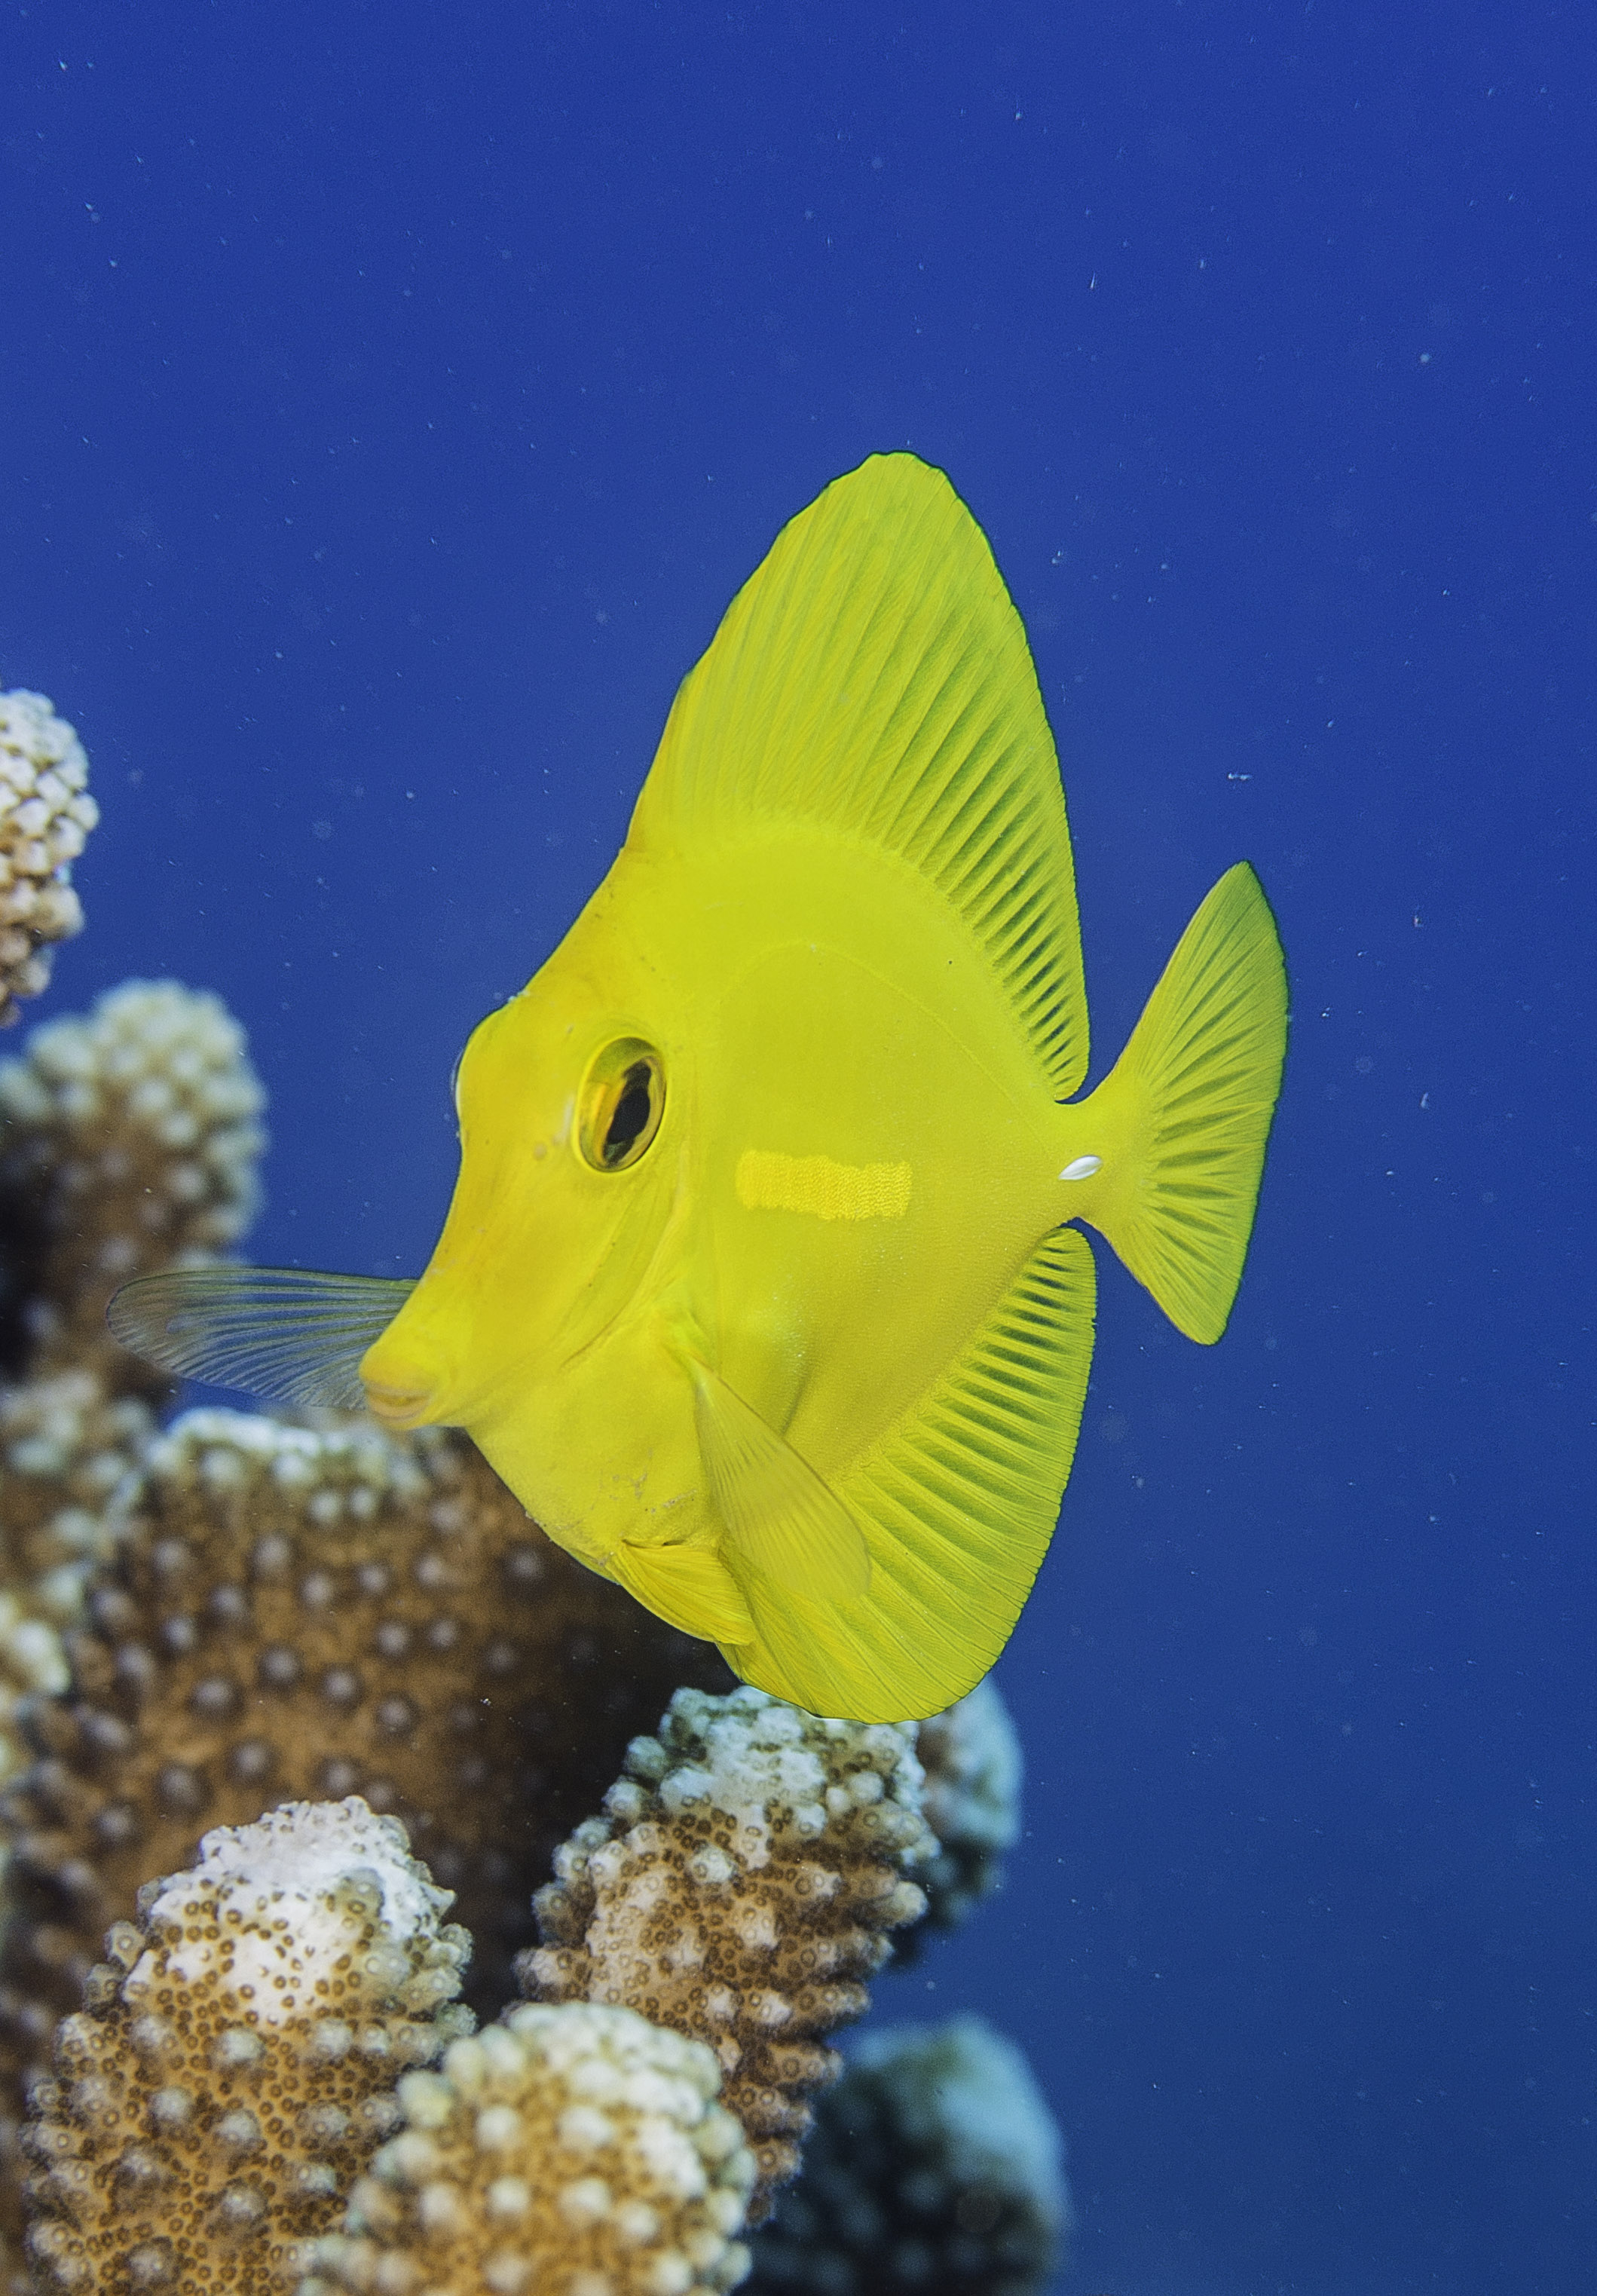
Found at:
[399, 1409]
[401, 1389]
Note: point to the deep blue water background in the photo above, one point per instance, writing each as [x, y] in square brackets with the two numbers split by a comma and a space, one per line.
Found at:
[391, 401]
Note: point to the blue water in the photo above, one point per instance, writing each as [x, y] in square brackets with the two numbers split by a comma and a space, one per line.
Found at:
[393, 397]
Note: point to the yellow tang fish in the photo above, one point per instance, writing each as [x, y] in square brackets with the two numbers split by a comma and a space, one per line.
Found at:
[760, 1286]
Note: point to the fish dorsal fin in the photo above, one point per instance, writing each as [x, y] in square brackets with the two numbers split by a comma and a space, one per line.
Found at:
[874, 679]
[781, 1519]
[285, 1333]
[958, 1501]
[688, 1585]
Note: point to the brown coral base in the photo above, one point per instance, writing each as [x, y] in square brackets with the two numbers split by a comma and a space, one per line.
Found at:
[298, 1615]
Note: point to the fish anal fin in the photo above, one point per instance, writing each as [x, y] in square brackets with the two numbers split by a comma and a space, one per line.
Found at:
[688, 1585]
[782, 1518]
[958, 1500]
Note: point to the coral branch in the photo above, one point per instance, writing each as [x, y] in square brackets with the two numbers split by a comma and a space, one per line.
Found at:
[571, 2148]
[67, 1450]
[971, 1797]
[125, 1139]
[129, 1141]
[750, 1868]
[934, 2165]
[45, 814]
[233, 2067]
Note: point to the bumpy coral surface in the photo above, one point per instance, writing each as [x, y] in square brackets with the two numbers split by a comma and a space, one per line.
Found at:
[128, 1140]
[233, 2066]
[293, 1613]
[67, 1450]
[125, 1138]
[45, 814]
[574, 2149]
[971, 1797]
[934, 2166]
[752, 1862]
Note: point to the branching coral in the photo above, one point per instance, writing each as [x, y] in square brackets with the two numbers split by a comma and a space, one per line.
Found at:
[128, 1140]
[125, 1139]
[236, 2061]
[971, 1797]
[200, 1624]
[571, 2148]
[45, 813]
[752, 1862]
[934, 2166]
[300, 1613]
[66, 1448]
[234, 2071]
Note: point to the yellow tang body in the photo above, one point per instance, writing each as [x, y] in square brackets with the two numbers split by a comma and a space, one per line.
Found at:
[803, 1367]
[757, 1286]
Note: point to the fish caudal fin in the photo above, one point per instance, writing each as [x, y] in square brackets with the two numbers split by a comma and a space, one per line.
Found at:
[1184, 1115]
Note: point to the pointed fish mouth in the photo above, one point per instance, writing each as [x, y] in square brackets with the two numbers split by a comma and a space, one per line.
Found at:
[399, 1408]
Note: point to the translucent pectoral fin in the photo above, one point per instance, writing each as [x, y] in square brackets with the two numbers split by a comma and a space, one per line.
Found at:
[688, 1585]
[290, 1333]
[780, 1516]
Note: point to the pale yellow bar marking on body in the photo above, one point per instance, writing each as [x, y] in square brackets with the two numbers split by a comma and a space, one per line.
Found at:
[768, 1181]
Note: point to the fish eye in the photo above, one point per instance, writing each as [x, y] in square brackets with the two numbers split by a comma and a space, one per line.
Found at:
[623, 1100]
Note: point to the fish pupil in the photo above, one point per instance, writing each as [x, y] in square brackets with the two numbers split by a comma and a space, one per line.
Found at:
[631, 1115]
[623, 1101]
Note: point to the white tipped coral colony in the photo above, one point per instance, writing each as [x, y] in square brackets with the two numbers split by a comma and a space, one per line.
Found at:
[272, 1912]
[147, 1107]
[577, 2149]
[751, 1864]
[233, 2068]
[45, 814]
[128, 1140]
